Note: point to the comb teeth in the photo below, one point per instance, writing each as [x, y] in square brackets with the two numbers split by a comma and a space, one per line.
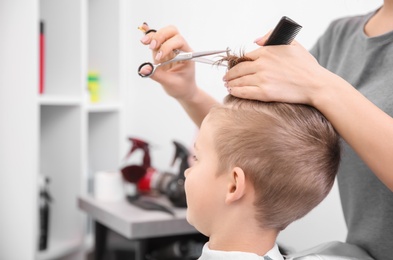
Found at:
[284, 32]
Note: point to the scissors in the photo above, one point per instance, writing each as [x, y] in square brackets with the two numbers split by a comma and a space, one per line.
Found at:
[183, 56]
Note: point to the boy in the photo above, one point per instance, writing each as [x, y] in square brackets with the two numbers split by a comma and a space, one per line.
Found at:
[258, 167]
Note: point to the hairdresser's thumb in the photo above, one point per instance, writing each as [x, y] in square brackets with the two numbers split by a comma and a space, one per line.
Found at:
[145, 70]
[262, 40]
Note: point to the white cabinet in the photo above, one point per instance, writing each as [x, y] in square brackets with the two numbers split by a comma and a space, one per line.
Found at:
[60, 133]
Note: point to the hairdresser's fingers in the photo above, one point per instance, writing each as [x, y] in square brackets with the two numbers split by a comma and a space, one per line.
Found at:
[155, 39]
[251, 79]
[241, 70]
[260, 52]
[144, 27]
[266, 50]
[263, 59]
[271, 93]
[165, 52]
[165, 41]
[158, 38]
[163, 35]
[252, 84]
[262, 40]
[146, 39]
[249, 92]
[264, 91]
[148, 32]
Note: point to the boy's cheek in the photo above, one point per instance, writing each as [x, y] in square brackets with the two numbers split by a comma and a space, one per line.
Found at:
[186, 172]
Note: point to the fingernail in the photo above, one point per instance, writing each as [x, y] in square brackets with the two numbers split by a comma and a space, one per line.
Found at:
[226, 84]
[145, 39]
[229, 90]
[153, 44]
[258, 39]
[158, 56]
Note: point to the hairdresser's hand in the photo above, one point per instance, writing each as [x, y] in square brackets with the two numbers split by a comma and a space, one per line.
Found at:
[287, 73]
[178, 79]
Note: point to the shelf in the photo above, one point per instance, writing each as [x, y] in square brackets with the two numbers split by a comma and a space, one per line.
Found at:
[61, 154]
[58, 133]
[54, 100]
[65, 46]
[103, 107]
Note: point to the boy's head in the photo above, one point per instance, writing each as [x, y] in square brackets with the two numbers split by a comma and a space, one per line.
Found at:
[289, 155]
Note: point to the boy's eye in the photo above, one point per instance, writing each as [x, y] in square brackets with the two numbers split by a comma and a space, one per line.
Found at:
[194, 158]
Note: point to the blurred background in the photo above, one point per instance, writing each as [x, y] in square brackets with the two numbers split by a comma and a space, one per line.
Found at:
[57, 126]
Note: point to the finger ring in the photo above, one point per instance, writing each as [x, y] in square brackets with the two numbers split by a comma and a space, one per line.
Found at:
[149, 31]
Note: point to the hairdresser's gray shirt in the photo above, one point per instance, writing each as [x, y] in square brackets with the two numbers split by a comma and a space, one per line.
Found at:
[366, 63]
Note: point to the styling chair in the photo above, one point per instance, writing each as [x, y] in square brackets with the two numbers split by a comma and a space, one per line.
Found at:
[331, 251]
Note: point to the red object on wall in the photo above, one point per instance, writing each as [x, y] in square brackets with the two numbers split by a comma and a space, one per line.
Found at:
[42, 59]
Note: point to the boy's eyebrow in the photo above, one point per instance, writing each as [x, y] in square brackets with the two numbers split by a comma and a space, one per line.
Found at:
[195, 146]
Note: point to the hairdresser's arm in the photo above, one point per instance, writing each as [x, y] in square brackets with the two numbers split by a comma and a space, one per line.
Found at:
[291, 74]
[178, 79]
[366, 128]
[198, 105]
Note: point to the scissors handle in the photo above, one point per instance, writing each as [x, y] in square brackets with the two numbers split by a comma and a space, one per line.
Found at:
[181, 56]
[153, 68]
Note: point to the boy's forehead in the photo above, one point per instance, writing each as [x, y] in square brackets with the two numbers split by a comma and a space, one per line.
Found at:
[206, 132]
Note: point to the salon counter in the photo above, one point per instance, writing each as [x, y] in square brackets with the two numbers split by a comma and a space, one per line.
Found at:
[133, 222]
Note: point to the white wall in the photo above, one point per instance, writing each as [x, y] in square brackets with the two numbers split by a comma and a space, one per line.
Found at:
[18, 139]
[208, 25]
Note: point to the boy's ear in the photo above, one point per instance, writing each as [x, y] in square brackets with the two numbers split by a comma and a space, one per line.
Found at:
[236, 185]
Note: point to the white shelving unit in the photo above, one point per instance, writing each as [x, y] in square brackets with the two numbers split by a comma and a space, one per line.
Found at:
[67, 138]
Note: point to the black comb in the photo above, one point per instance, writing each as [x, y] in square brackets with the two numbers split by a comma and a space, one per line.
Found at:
[284, 32]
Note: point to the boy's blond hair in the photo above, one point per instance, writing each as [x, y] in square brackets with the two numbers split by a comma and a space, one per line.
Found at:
[289, 152]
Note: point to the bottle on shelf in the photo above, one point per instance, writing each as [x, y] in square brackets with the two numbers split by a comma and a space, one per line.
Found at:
[94, 86]
[44, 210]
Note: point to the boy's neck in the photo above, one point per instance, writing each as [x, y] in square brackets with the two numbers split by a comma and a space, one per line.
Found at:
[244, 238]
[237, 229]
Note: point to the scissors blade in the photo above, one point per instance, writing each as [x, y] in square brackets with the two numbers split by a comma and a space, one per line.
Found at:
[182, 56]
[208, 61]
[207, 53]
